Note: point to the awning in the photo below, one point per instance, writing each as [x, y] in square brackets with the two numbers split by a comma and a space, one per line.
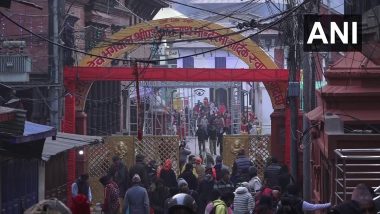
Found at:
[28, 145]
[65, 141]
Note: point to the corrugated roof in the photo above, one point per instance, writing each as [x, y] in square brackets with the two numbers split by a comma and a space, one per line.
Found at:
[65, 141]
[16, 126]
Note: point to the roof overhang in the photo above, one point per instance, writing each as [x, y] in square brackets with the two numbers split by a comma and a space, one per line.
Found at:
[27, 145]
[64, 142]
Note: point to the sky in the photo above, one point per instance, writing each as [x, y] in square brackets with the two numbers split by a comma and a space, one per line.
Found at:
[171, 12]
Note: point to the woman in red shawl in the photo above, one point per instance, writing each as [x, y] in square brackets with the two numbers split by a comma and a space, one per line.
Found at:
[80, 205]
[168, 176]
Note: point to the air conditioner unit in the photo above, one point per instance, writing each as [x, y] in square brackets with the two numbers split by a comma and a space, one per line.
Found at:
[15, 68]
[12, 64]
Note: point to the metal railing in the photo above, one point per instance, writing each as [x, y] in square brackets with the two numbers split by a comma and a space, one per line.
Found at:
[354, 166]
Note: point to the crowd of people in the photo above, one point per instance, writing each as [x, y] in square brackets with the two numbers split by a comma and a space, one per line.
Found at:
[205, 188]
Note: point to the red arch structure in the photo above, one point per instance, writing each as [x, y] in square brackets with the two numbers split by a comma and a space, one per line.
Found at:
[75, 77]
[95, 66]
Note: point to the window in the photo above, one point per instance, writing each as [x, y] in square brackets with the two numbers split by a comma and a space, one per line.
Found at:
[220, 62]
[188, 62]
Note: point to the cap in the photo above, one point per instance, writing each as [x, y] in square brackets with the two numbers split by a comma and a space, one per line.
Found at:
[182, 182]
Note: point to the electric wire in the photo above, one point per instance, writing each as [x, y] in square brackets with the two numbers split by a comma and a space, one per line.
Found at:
[206, 10]
[145, 60]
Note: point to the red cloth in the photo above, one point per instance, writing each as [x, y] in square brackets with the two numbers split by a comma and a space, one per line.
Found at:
[80, 205]
[222, 109]
[168, 164]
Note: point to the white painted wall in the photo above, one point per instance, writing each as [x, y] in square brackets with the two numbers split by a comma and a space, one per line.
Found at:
[263, 104]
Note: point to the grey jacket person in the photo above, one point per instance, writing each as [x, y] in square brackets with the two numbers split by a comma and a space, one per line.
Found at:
[136, 200]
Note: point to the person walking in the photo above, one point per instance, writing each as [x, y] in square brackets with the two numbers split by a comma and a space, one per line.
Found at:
[284, 179]
[202, 136]
[183, 187]
[189, 177]
[224, 185]
[111, 202]
[141, 169]
[136, 200]
[167, 174]
[159, 196]
[272, 173]
[200, 169]
[212, 132]
[205, 188]
[220, 206]
[119, 173]
[254, 184]
[219, 166]
[240, 168]
[184, 151]
[243, 202]
[361, 202]
[291, 203]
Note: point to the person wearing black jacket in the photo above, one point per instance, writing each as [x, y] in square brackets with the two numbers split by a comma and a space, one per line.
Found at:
[189, 177]
[167, 174]
[119, 173]
[202, 136]
[159, 196]
[141, 169]
[212, 133]
[272, 172]
[241, 166]
[205, 188]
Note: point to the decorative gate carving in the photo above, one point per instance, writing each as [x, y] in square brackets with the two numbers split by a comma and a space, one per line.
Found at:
[159, 148]
[99, 156]
[256, 146]
[259, 151]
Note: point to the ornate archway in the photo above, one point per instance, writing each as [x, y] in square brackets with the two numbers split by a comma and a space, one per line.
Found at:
[247, 50]
[214, 34]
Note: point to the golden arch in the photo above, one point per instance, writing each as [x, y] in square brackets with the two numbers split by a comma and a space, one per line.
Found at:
[247, 50]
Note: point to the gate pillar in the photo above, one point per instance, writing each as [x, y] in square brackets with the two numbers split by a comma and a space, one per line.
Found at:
[278, 134]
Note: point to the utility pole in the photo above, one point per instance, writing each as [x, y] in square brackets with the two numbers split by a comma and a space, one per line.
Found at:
[293, 93]
[308, 105]
[55, 61]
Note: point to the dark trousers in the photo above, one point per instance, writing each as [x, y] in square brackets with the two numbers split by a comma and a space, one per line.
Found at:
[213, 146]
[220, 143]
[200, 144]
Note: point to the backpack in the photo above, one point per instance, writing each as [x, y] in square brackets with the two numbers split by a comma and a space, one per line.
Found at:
[213, 210]
[289, 205]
